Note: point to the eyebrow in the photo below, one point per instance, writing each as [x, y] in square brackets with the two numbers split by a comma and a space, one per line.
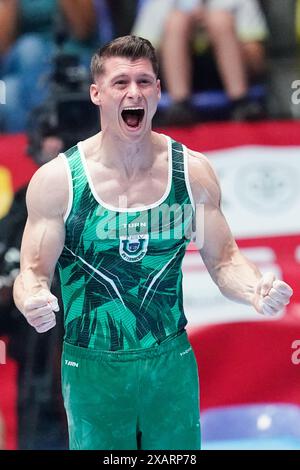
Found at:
[124, 75]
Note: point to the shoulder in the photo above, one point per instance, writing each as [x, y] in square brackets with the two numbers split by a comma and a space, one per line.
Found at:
[48, 190]
[203, 180]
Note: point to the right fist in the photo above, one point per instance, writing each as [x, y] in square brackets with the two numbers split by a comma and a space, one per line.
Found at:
[39, 310]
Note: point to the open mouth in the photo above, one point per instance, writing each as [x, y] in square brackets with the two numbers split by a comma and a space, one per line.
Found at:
[133, 116]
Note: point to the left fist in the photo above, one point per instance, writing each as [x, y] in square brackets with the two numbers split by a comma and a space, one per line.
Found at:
[271, 295]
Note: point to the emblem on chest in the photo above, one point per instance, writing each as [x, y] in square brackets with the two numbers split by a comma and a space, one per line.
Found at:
[133, 247]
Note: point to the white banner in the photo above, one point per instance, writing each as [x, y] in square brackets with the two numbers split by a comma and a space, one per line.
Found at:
[260, 189]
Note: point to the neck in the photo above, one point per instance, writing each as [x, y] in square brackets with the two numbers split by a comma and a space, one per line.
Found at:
[129, 158]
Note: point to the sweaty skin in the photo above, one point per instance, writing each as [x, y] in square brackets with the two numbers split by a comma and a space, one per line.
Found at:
[129, 168]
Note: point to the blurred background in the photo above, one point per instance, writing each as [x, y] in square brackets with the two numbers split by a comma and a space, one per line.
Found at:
[230, 71]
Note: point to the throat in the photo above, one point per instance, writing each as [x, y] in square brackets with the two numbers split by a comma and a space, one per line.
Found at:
[124, 158]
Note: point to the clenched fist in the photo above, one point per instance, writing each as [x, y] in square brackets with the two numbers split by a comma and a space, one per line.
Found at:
[271, 295]
[39, 310]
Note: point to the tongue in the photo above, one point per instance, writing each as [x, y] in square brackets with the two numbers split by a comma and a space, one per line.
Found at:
[132, 120]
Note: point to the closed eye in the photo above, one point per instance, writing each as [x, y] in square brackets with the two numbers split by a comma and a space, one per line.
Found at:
[120, 82]
[145, 81]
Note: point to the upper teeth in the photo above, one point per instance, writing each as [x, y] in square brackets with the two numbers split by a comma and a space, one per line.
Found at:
[133, 109]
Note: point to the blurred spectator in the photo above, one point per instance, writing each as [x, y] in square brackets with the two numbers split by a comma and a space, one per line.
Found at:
[41, 416]
[122, 14]
[151, 19]
[235, 30]
[27, 42]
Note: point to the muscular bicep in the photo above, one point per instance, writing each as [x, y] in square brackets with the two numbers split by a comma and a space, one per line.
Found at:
[212, 233]
[42, 244]
[44, 233]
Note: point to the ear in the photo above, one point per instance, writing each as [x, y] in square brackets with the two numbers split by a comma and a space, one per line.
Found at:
[95, 94]
[158, 86]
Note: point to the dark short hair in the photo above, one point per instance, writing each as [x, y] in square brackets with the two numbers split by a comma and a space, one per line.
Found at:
[131, 47]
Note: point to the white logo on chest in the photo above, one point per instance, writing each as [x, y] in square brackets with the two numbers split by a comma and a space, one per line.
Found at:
[134, 247]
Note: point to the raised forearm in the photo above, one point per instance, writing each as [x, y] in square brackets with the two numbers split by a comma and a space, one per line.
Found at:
[8, 23]
[80, 16]
[237, 278]
[42, 244]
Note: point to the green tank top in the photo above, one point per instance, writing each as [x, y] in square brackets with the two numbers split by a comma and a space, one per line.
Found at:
[120, 269]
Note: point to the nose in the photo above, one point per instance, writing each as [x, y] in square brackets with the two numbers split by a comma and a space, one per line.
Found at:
[134, 90]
